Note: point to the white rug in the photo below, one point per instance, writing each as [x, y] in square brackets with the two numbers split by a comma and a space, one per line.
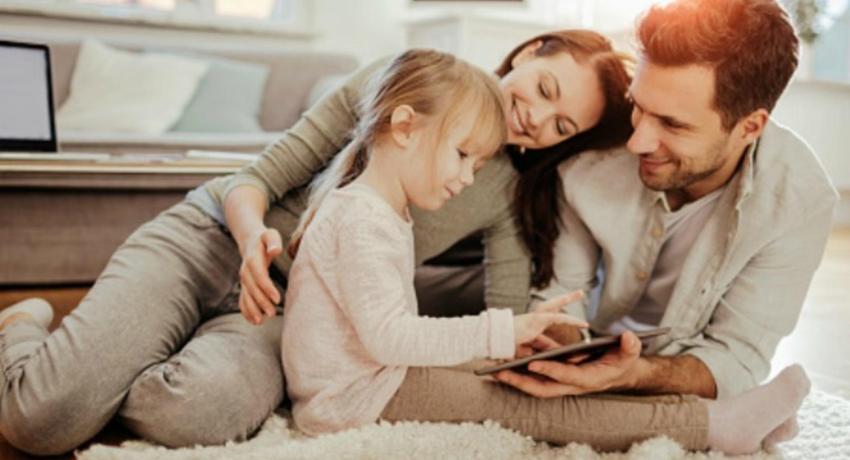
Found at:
[824, 434]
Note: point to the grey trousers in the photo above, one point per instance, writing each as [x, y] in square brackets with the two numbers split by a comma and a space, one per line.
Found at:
[158, 340]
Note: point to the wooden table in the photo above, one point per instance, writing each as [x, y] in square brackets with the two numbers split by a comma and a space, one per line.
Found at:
[60, 221]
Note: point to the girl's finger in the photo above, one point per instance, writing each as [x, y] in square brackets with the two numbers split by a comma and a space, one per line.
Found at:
[543, 342]
[523, 350]
[562, 318]
[558, 303]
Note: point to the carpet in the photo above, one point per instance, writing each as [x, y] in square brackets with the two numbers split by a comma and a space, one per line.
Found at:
[824, 434]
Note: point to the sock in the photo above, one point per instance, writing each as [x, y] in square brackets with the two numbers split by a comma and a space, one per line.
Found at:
[739, 424]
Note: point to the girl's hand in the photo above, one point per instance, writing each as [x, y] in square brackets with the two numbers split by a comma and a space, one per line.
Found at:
[530, 329]
[258, 294]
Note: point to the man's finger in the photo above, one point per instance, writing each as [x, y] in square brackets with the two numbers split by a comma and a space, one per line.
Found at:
[630, 345]
[536, 386]
[560, 372]
[576, 359]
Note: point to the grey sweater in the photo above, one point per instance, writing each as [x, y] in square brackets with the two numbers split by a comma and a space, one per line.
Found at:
[287, 166]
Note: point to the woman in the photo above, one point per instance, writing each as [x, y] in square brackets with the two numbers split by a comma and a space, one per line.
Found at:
[157, 340]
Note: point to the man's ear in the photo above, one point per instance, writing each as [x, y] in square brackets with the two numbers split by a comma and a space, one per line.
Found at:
[401, 124]
[752, 126]
[526, 53]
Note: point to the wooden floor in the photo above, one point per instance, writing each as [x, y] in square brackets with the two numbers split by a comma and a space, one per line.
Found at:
[820, 341]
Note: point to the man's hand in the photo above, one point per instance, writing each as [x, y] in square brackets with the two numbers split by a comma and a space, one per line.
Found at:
[618, 369]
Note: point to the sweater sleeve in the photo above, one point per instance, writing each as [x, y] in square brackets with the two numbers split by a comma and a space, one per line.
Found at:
[507, 265]
[371, 283]
[305, 148]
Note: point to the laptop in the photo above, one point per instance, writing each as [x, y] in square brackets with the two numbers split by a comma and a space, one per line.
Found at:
[27, 120]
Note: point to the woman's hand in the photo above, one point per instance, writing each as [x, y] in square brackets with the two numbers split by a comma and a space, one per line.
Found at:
[258, 294]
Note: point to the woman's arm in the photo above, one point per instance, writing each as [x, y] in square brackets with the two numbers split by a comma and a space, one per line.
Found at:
[288, 163]
[305, 148]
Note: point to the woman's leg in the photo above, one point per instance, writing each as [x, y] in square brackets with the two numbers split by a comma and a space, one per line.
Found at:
[60, 389]
[450, 290]
[220, 387]
[606, 423]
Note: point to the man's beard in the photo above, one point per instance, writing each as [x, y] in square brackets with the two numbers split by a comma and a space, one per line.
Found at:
[681, 179]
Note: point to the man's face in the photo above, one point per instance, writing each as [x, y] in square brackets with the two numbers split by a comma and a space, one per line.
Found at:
[678, 134]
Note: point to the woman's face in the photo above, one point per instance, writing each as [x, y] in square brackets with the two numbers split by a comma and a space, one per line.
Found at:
[549, 99]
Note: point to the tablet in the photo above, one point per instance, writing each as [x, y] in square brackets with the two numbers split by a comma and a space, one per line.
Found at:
[596, 346]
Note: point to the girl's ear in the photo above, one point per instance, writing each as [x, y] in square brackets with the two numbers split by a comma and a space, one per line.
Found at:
[526, 53]
[401, 124]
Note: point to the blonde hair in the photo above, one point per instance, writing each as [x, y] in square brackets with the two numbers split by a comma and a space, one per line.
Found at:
[433, 84]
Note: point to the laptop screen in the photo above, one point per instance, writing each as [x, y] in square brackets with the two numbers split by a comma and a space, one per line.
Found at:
[26, 111]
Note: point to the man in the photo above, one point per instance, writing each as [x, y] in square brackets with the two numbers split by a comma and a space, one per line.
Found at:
[713, 221]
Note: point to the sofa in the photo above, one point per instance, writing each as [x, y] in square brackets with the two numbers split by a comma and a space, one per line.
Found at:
[60, 227]
[295, 80]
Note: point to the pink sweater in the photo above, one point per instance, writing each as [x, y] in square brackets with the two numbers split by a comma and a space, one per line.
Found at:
[350, 327]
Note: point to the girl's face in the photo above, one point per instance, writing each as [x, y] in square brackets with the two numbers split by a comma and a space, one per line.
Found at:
[549, 99]
[439, 170]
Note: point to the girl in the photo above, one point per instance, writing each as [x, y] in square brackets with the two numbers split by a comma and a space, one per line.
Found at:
[351, 331]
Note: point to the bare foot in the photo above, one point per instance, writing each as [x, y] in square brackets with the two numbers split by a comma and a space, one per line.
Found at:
[738, 425]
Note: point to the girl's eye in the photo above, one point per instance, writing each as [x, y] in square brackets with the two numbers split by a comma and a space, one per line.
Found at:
[463, 155]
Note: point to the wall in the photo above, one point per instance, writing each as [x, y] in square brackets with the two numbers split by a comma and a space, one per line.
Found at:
[366, 29]
[35, 28]
[820, 113]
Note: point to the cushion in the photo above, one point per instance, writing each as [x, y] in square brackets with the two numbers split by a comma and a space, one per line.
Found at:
[114, 90]
[228, 99]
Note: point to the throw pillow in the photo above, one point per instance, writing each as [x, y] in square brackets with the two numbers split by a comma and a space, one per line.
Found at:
[228, 99]
[115, 90]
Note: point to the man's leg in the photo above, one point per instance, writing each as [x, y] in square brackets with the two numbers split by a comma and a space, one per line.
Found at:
[59, 390]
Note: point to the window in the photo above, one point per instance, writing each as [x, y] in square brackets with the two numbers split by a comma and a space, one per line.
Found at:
[265, 10]
[253, 16]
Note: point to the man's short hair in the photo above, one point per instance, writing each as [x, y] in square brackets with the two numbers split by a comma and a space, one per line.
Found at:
[750, 44]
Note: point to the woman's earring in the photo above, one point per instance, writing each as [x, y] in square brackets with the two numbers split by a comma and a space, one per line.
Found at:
[522, 150]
